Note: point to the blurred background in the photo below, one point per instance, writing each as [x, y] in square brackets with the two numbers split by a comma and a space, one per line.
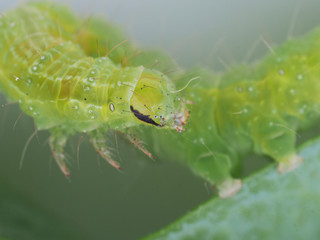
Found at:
[99, 202]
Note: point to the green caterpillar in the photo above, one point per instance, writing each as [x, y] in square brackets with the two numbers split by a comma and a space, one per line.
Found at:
[45, 69]
[245, 110]
[250, 109]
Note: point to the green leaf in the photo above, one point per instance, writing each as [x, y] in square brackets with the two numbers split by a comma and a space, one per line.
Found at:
[269, 206]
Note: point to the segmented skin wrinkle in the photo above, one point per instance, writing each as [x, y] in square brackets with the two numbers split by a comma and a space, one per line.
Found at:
[61, 71]
[50, 74]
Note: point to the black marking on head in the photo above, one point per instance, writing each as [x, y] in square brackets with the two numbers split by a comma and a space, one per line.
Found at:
[144, 118]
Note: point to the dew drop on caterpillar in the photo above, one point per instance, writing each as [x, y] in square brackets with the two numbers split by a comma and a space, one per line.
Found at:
[66, 91]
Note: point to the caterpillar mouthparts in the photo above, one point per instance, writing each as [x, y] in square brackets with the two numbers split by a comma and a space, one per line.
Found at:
[180, 119]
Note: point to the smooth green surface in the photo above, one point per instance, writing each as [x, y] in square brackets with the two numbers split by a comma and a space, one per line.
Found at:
[269, 206]
[21, 219]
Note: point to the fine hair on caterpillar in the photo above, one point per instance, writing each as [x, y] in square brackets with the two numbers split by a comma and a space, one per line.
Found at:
[67, 91]
[179, 90]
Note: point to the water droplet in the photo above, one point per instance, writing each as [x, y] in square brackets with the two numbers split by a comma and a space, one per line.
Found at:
[111, 107]
[301, 110]
[281, 72]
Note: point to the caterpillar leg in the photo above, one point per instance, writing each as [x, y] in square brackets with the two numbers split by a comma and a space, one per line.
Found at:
[57, 142]
[138, 144]
[98, 141]
[277, 140]
[229, 187]
[290, 164]
[217, 170]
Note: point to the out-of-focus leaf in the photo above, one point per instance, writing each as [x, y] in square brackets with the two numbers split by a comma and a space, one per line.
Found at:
[1, 238]
[20, 219]
[269, 206]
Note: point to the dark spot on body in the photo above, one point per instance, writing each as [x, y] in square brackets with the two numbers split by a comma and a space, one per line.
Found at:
[144, 118]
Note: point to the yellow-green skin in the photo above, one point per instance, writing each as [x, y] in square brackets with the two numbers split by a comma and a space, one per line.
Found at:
[248, 109]
[252, 109]
[44, 69]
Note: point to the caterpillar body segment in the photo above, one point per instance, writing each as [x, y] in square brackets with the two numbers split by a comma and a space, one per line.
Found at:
[66, 91]
[252, 110]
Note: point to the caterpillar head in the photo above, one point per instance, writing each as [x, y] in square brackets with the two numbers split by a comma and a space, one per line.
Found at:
[153, 102]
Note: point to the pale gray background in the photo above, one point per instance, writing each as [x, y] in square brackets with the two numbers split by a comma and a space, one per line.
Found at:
[99, 202]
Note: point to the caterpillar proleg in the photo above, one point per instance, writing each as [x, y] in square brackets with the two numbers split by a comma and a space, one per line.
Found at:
[251, 109]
